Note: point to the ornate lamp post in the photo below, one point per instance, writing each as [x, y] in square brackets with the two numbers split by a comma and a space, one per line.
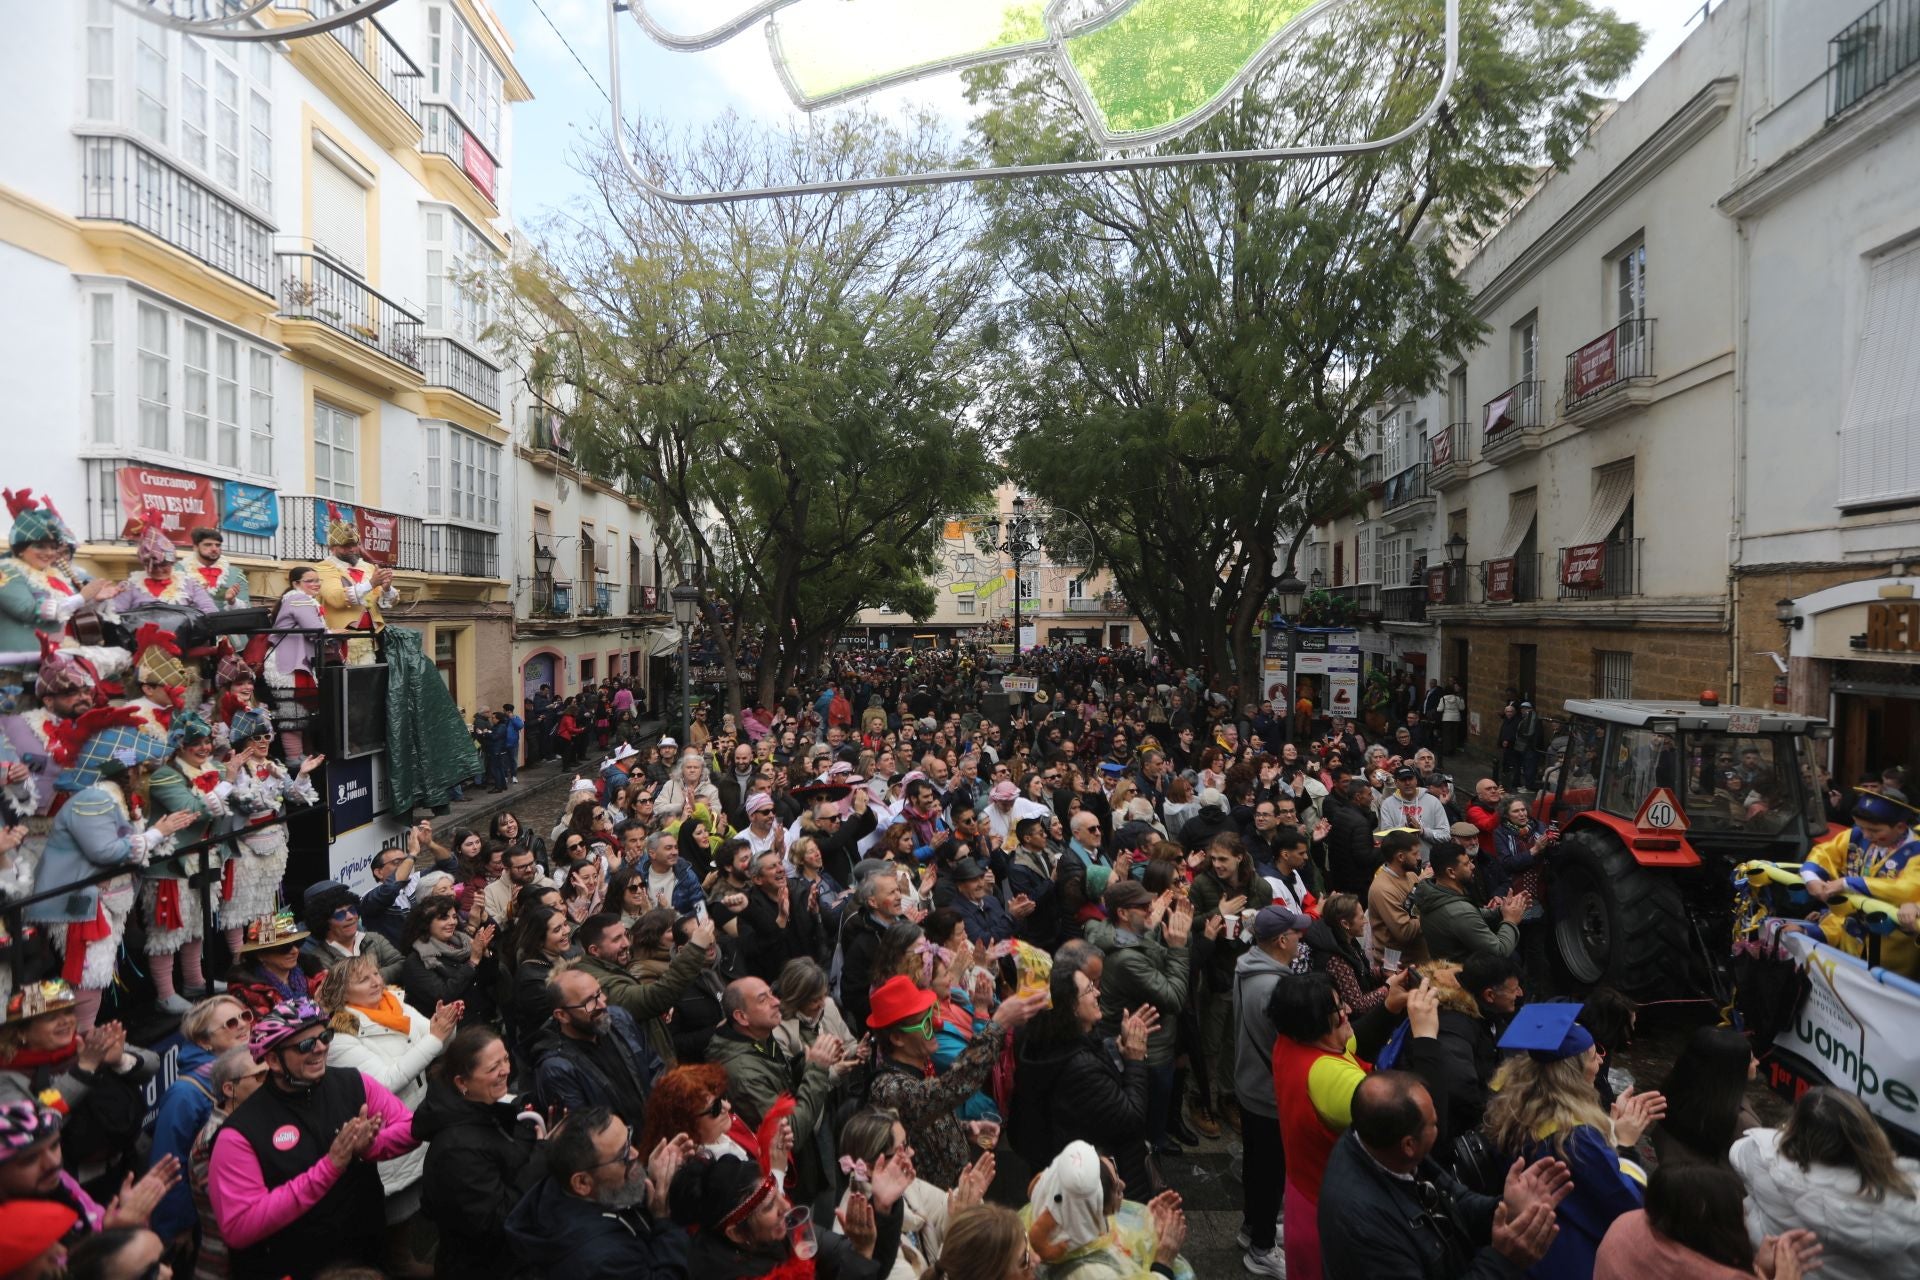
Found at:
[1017, 538]
[1290, 593]
[686, 611]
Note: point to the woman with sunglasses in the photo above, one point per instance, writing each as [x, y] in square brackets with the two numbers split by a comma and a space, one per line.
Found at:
[693, 1100]
[333, 918]
[211, 1027]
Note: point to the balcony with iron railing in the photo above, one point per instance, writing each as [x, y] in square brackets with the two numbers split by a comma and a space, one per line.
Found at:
[128, 182]
[365, 66]
[1870, 52]
[1404, 604]
[303, 533]
[642, 598]
[1406, 496]
[1610, 374]
[448, 362]
[1450, 456]
[316, 289]
[447, 135]
[1601, 571]
[1514, 421]
[460, 552]
[550, 599]
[107, 516]
[1514, 580]
[1363, 596]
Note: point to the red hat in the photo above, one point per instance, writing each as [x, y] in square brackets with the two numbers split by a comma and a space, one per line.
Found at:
[899, 999]
[28, 1228]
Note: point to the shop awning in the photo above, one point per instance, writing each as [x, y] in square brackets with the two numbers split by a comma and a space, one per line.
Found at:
[1523, 508]
[662, 641]
[1612, 494]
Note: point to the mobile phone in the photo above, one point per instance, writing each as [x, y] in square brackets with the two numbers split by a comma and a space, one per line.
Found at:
[700, 911]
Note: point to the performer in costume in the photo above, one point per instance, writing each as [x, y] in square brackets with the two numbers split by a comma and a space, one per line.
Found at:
[39, 591]
[67, 687]
[353, 592]
[103, 757]
[261, 788]
[233, 683]
[18, 858]
[224, 582]
[163, 679]
[1877, 857]
[293, 663]
[189, 783]
[162, 579]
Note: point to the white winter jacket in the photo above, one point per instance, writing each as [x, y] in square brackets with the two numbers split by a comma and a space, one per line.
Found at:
[400, 1063]
[1863, 1239]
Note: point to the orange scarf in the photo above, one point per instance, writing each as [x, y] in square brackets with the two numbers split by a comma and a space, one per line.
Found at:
[389, 1013]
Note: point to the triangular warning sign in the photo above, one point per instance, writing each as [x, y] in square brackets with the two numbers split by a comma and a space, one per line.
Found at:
[1661, 811]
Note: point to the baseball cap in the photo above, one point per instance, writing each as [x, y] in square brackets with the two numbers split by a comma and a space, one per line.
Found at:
[1271, 922]
[1406, 771]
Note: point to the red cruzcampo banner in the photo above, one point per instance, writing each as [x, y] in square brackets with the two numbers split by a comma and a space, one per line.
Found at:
[379, 534]
[478, 165]
[1595, 365]
[179, 502]
[1437, 585]
[1500, 577]
[1584, 565]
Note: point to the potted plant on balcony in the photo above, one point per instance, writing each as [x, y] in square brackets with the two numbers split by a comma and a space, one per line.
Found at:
[1323, 608]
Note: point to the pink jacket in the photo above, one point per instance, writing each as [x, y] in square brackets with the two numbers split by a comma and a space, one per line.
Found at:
[1632, 1250]
[248, 1211]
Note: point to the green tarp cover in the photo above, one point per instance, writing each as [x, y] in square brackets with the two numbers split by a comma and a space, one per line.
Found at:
[430, 749]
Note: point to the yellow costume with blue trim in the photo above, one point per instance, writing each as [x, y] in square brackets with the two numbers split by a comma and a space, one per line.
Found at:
[1889, 873]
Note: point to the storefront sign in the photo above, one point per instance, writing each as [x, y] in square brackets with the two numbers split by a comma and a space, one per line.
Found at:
[1437, 585]
[1595, 365]
[179, 502]
[1584, 565]
[1441, 450]
[1893, 628]
[478, 165]
[250, 508]
[1500, 578]
[1857, 1031]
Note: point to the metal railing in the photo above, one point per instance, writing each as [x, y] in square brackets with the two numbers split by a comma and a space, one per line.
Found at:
[315, 288]
[1406, 485]
[1365, 597]
[1526, 580]
[1404, 604]
[551, 599]
[1619, 573]
[106, 518]
[1086, 604]
[1515, 409]
[448, 362]
[303, 529]
[642, 598]
[125, 181]
[460, 552]
[1452, 446]
[378, 54]
[1619, 355]
[1870, 51]
[1370, 469]
[448, 135]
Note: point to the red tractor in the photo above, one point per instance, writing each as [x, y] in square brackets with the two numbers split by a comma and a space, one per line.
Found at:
[1657, 803]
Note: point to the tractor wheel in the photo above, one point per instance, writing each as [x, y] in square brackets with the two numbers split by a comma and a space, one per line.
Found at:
[1615, 921]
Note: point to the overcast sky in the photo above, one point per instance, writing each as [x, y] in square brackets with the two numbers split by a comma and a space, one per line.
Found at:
[569, 106]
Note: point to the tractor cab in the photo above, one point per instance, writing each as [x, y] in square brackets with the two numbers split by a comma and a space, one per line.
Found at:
[1658, 801]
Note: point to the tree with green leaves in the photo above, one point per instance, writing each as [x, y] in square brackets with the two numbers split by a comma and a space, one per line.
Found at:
[790, 381]
[1186, 356]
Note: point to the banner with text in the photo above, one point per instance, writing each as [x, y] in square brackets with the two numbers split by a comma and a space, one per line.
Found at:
[1857, 1031]
[179, 502]
[1595, 365]
[250, 508]
[1500, 578]
[1584, 565]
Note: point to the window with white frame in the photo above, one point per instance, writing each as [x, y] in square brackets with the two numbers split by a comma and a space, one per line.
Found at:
[1630, 284]
[1394, 554]
[1076, 589]
[963, 604]
[1526, 349]
[463, 74]
[201, 392]
[1029, 584]
[207, 104]
[1364, 568]
[456, 252]
[1878, 463]
[463, 475]
[336, 452]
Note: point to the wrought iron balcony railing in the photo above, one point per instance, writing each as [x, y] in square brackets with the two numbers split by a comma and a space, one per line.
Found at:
[1870, 51]
[1616, 357]
[448, 362]
[127, 181]
[315, 288]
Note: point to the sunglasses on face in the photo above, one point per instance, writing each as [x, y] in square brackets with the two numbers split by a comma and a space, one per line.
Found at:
[318, 1040]
[715, 1107]
[242, 1019]
[345, 914]
[922, 1026]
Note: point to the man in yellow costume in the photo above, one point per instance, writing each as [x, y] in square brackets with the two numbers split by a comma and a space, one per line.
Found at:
[353, 591]
[1877, 857]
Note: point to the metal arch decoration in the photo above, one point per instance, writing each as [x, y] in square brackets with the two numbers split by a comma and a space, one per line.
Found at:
[1026, 28]
[229, 19]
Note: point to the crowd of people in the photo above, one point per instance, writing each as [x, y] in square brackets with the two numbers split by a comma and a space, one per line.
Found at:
[889, 979]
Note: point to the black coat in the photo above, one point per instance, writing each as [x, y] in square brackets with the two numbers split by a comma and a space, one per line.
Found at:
[714, 1257]
[1374, 1225]
[1080, 1091]
[765, 945]
[859, 940]
[1351, 856]
[478, 1168]
[563, 1237]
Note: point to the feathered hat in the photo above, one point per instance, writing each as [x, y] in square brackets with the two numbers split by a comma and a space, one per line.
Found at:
[102, 741]
[341, 532]
[156, 658]
[186, 728]
[35, 520]
[232, 669]
[247, 723]
[62, 671]
[152, 547]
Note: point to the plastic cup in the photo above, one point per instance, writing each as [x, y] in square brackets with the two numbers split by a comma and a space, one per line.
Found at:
[799, 1225]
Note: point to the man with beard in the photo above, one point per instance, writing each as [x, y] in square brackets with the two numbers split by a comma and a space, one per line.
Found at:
[737, 1215]
[600, 1213]
[735, 784]
[33, 1170]
[353, 595]
[221, 577]
[592, 1055]
[66, 688]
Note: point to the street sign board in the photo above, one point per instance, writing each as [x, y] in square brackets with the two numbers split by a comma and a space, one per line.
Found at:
[1661, 811]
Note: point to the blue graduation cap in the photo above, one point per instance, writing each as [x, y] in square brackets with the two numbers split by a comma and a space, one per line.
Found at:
[1112, 769]
[1547, 1032]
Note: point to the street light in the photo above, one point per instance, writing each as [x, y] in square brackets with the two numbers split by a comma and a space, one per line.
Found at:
[1017, 538]
[1291, 593]
[686, 611]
